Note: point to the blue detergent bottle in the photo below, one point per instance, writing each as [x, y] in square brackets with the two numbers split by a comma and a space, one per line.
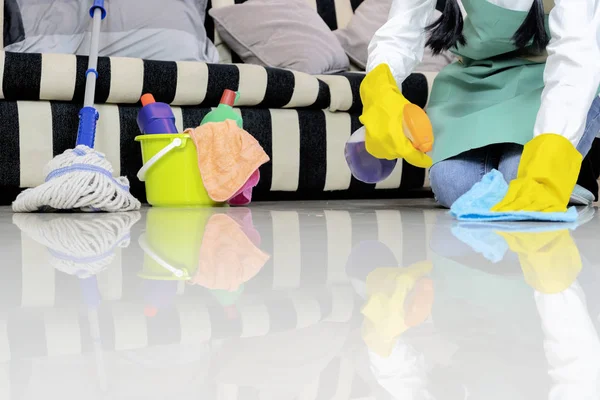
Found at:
[154, 117]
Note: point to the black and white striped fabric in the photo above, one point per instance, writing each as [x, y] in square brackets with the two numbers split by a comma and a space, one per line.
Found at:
[184, 83]
[302, 295]
[306, 148]
[306, 364]
[61, 77]
[338, 379]
[124, 327]
[306, 249]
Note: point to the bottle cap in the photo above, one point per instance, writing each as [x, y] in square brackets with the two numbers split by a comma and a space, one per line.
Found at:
[419, 302]
[150, 311]
[147, 99]
[231, 312]
[228, 97]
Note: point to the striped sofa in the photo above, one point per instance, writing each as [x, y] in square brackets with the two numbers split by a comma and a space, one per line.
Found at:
[302, 121]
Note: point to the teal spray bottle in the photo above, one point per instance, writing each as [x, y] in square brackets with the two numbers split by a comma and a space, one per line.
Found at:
[224, 110]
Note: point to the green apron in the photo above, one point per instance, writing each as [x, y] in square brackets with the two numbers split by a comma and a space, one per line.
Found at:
[493, 94]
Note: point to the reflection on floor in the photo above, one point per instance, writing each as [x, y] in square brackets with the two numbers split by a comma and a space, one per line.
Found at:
[343, 300]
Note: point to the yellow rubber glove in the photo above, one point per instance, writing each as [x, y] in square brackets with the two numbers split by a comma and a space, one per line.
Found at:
[398, 299]
[550, 260]
[547, 175]
[387, 115]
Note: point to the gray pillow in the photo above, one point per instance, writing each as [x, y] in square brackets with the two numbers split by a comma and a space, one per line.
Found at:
[368, 18]
[280, 33]
[170, 30]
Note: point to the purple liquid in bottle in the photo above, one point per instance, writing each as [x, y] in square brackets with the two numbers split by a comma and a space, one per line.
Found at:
[363, 165]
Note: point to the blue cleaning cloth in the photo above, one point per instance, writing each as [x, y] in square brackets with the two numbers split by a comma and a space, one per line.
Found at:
[483, 238]
[483, 241]
[475, 205]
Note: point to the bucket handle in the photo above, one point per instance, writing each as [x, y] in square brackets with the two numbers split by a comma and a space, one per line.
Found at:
[177, 142]
[143, 243]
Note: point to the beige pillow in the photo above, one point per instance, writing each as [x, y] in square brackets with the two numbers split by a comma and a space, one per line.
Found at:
[368, 18]
[280, 33]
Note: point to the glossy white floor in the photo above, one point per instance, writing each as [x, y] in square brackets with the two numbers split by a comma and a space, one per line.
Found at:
[342, 300]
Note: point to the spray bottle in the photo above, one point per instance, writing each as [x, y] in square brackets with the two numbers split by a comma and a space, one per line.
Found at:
[225, 110]
[369, 169]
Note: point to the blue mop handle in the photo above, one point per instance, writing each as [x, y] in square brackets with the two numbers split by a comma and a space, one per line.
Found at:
[88, 116]
[86, 133]
[91, 292]
[98, 5]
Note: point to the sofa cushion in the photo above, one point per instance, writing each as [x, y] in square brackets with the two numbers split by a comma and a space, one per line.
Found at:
[124, 80]
[289, 35]
[369, 17]
[133, 28]
[355, 37]
[335, 13]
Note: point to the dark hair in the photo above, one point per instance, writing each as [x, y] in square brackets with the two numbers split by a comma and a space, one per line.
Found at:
[446, 31]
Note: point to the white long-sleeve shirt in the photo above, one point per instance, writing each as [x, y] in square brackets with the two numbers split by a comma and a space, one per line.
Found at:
[571, 75]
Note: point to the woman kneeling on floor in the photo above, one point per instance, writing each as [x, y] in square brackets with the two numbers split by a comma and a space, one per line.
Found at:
[521, 99]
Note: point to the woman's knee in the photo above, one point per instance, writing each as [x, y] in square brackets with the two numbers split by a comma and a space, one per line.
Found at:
[592, 128]
[510, 158]
[452, 178]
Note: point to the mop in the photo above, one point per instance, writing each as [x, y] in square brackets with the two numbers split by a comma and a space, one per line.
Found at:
[81, 178]
[82, 244]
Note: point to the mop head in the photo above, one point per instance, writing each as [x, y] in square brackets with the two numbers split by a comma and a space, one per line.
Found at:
[81, 245]
[79, 179]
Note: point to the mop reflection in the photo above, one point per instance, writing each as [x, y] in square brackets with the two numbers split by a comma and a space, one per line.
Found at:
[79, 244]
[82, 245]
[166, 339]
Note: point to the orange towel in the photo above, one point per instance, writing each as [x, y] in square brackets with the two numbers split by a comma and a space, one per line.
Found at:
[227, 157]
[228, 258]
